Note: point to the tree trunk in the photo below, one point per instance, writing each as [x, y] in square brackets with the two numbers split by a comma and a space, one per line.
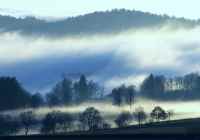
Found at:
[139, 123]
[54, 131]
[26, 131]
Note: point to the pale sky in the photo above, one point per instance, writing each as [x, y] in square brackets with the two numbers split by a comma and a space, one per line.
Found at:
[64, 8]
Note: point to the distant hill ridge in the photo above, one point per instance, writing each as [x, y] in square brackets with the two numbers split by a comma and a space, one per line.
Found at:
[114, 21]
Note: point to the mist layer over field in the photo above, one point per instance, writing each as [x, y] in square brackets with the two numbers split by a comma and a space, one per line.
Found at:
[39, 62]
[182, 110]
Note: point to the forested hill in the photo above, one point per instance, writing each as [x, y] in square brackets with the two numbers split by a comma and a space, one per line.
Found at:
[114, 21]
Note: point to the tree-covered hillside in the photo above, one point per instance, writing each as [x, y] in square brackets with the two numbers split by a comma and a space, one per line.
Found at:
[114, 21]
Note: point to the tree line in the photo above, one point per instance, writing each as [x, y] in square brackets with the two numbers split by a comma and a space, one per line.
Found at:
[98, 22]
[90, 119]
[65, 92]
[185, 87]
[71, 92]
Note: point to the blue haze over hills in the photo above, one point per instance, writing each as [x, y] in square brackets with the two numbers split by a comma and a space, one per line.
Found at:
[119, 45]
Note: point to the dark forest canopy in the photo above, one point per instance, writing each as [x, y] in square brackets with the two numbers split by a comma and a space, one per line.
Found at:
[12, 94]
[114, 21]
[177, 88]
[68, 92]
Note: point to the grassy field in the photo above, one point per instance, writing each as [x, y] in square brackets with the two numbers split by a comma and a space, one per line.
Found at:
[188, 129]
[177, 127]
[179, 123]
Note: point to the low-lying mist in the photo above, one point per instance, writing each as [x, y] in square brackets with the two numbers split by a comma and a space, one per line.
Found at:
[181, 110]
[108, 59]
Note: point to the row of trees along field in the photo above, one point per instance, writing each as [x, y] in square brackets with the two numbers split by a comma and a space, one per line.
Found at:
[57, 122]
[67, 91]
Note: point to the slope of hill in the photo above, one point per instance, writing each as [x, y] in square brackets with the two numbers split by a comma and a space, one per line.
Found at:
[183, 127]
[114, 21]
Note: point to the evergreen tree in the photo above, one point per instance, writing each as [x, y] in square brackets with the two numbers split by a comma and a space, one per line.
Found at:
[37, 100]
[62, 93]
[117, 96]
[153, 87]
[12, 91]
[85, 90]
[130, 95]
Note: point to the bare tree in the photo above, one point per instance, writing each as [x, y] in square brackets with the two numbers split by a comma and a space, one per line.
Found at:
[106, 125]
[27, 119]
[140, 115]
[158, 113]
[170, 113]
[123, 119]
[8, 125]
[49, 123]
[65, 120]
[91, 119]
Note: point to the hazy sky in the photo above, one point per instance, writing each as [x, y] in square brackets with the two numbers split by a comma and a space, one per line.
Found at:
[63, 8]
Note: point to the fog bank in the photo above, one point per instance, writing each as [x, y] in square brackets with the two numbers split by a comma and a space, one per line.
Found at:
[111, 60]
